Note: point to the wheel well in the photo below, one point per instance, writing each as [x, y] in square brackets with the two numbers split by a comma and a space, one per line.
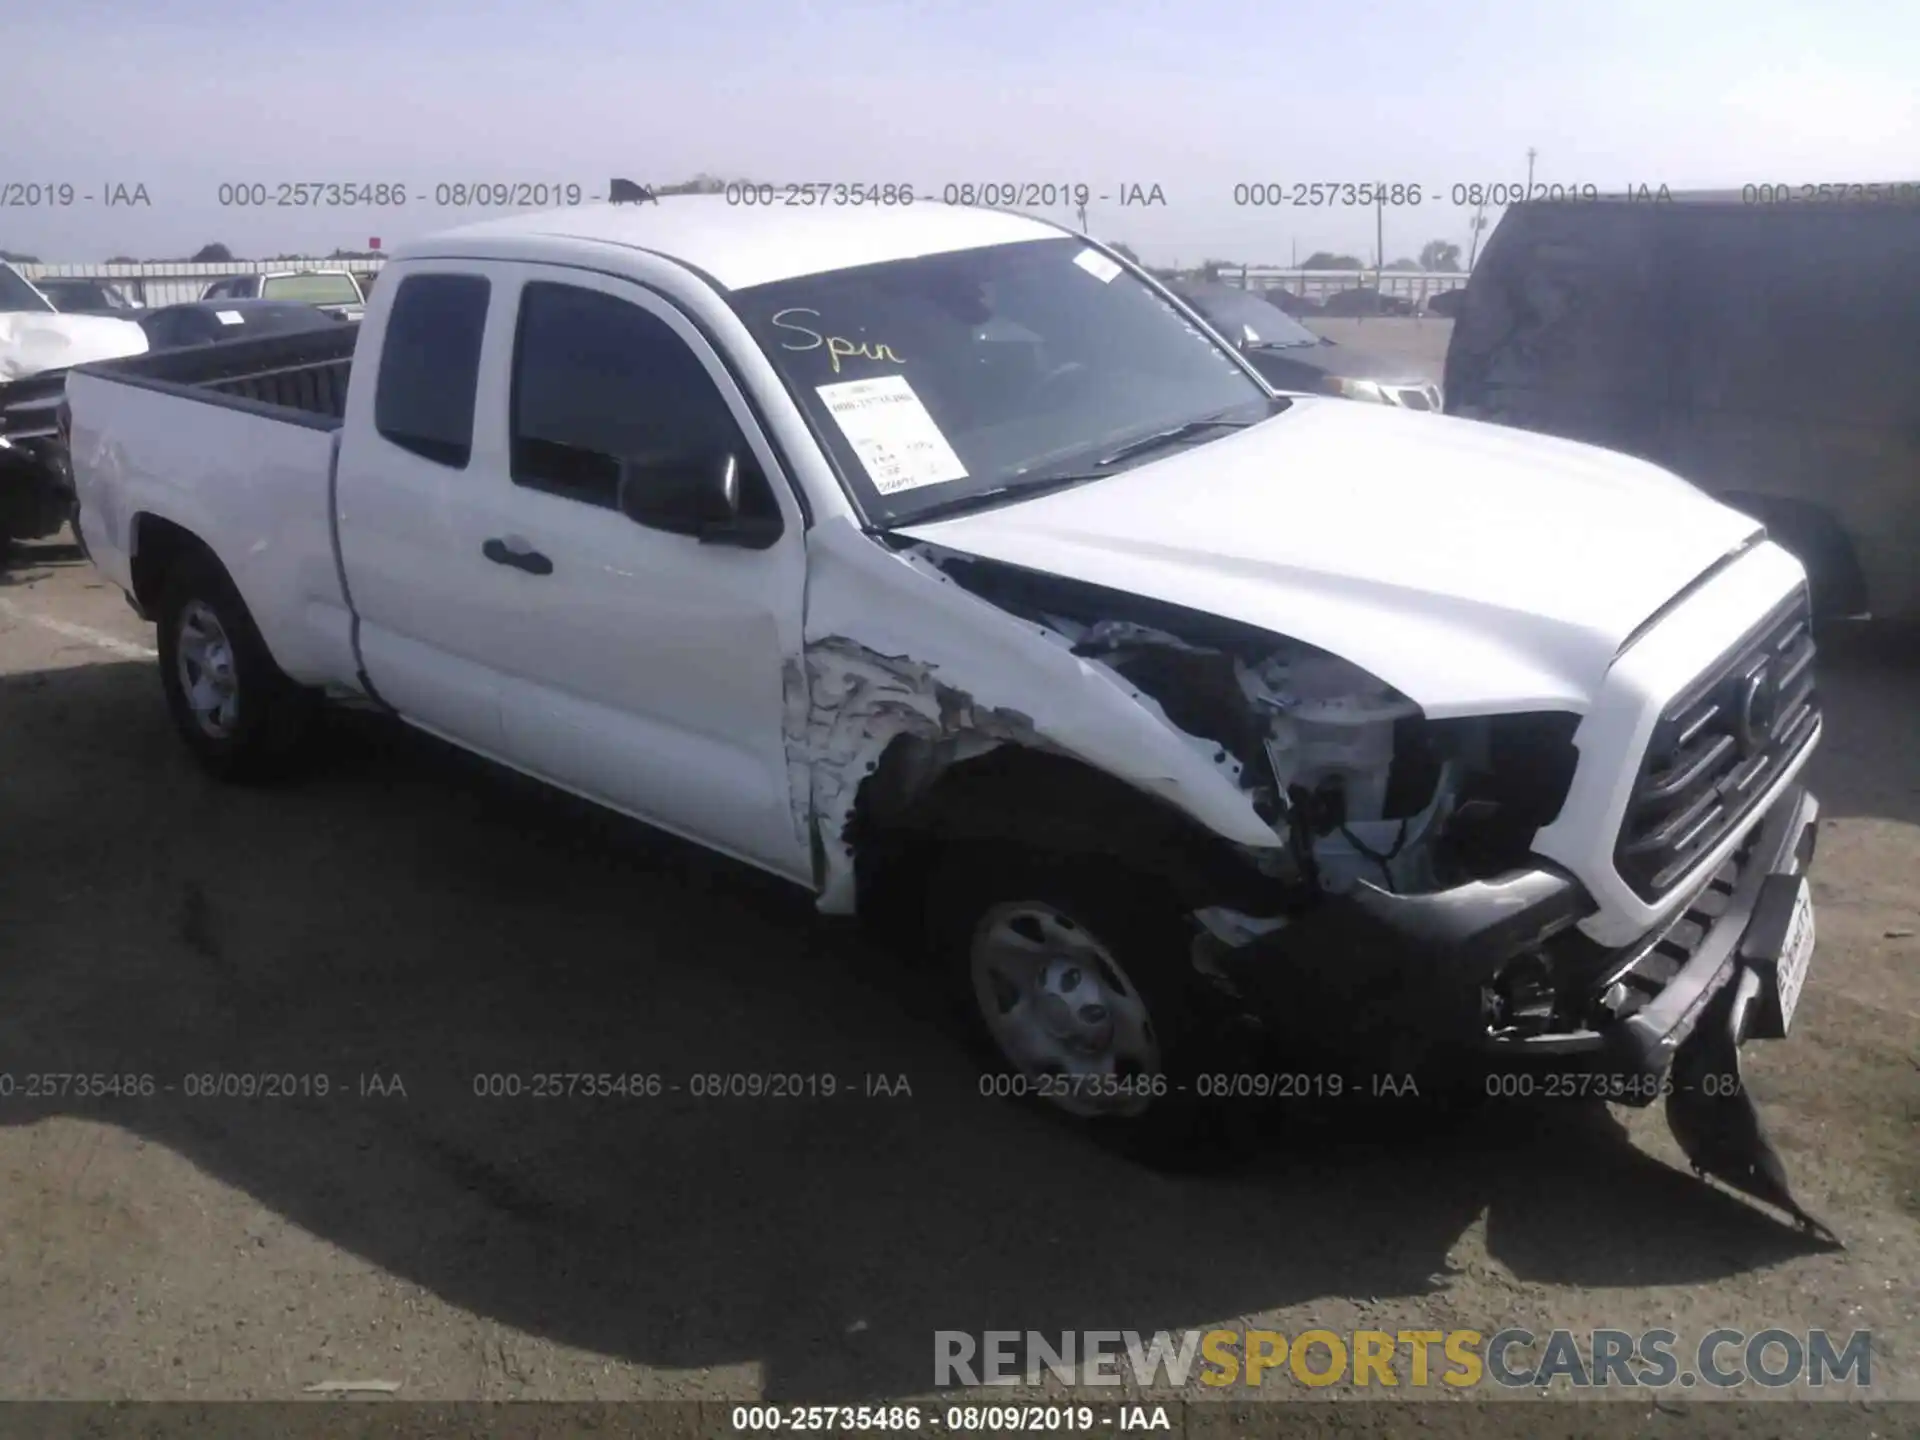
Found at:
[1036, 799]
[158, 546]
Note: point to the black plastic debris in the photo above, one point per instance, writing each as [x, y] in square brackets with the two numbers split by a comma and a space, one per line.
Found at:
[1714, 1118]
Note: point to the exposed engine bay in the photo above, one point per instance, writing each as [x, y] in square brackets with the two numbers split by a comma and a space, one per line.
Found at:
[1350, 773]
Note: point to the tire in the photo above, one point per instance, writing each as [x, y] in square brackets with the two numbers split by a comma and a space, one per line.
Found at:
[1134, 942]
[237, 711]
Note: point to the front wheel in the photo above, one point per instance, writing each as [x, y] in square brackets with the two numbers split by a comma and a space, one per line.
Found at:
[237, 711]
[1074, 981]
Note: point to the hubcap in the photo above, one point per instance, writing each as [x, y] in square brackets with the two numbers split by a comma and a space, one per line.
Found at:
[207, 676]
[1061, 1009]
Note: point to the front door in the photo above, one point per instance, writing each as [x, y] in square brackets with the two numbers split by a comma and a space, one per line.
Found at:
[640, 667]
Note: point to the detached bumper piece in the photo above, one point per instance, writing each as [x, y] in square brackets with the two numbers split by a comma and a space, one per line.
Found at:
[1496, 974]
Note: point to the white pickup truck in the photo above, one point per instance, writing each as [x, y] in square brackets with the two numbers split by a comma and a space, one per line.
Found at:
[941, 562]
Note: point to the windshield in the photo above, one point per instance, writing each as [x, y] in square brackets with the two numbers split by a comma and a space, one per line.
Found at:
[1244, 318]
[17, 294]
[312, 289]
[932, 379]
[84, 295]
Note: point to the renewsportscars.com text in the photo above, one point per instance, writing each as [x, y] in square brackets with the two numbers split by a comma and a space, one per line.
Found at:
[1460, 1359]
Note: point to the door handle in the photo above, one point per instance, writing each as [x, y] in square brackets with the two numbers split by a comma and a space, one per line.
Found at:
[531, 561]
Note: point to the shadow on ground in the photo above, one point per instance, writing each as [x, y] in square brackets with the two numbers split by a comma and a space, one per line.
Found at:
[411, 914]
[22, 563]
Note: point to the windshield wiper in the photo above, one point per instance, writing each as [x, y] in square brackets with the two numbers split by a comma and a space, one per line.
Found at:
[1099, 470]
[995, 495]
[1168, 437]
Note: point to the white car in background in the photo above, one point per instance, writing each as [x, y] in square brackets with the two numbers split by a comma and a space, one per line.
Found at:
[36, 491]
[35, 336]
[335, 291]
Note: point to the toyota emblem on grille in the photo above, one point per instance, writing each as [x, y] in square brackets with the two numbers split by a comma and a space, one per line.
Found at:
[1754, 712]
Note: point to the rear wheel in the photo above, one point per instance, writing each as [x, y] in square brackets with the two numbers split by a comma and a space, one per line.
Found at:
[237, 711]
[1074, 982]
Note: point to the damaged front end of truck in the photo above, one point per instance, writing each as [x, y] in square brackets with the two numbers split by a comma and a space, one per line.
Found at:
[1361, 878]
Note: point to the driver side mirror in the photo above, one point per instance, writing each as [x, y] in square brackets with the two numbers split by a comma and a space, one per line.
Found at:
[701, 497]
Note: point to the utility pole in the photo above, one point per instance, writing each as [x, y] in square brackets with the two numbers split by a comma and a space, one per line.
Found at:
[1479, 224]
[1380, 248]
[1081, 210]
[1531, 152]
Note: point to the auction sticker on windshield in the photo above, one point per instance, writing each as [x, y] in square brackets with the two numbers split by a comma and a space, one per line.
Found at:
[1097, 265]
[892, 433]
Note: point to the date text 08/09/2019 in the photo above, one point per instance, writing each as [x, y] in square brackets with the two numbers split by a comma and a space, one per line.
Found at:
[50, 1085]
[538, 1085]
[28, 1086]
[54, 193]
[1395, 194]
[966, 1419]
[1625, 1087]
[391, 194]
[545, 194]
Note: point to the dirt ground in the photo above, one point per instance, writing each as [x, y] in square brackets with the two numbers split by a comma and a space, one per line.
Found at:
[407, 921]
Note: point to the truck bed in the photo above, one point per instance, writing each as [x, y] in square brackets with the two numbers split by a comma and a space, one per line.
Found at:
[299, 378]
[235, 443]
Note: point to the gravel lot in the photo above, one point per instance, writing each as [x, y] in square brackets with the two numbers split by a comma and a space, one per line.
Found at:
[408, 920]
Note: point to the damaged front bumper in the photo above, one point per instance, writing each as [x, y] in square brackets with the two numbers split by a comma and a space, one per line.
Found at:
[1496, 976]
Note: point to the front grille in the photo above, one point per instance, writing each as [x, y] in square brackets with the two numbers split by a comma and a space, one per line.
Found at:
[1418, 397]
[1718, 748]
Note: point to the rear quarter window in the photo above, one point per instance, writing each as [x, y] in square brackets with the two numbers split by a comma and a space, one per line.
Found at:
[430, 366]
[312, 289]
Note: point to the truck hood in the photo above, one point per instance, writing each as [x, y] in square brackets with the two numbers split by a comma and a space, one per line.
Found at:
[31, 342]
[1476, 569]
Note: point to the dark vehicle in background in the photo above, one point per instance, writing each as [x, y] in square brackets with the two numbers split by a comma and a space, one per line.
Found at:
[86, 297]
[1291, 357]
[1447, 303]
[1365, 300]
[335, 290]
[1764, 346]
[1295, 305]
[208, 322]
[36, 474]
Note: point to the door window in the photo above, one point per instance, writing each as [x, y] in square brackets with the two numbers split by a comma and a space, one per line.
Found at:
[598, 380]
[430, 366]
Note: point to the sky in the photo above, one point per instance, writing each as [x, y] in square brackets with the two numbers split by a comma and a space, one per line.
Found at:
[116, 97]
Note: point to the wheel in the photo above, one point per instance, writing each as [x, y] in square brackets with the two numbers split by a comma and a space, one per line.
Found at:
[1072, 979]
[239, 714]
